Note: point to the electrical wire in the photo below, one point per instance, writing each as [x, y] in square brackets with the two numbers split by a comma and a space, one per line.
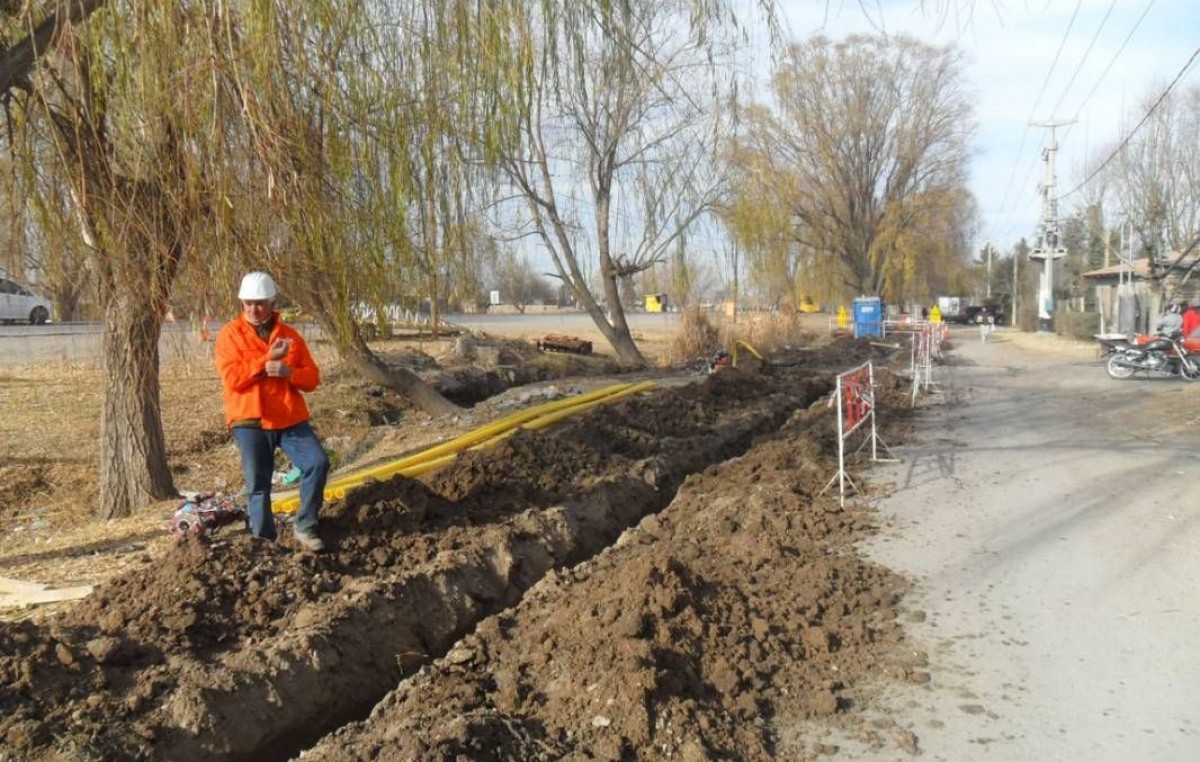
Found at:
[1033, 110]
[1138, 126]
[1084, 58]
[1113, 61]
[1107, 69]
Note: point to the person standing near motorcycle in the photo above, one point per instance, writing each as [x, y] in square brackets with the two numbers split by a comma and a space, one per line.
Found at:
[1171, 322]
[1191, 319]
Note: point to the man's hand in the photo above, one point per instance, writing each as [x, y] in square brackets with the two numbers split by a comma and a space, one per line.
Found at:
[279, 350]
[278, 368]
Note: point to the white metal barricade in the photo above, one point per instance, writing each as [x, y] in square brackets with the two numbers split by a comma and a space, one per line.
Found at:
[926, 348]
[854, 399]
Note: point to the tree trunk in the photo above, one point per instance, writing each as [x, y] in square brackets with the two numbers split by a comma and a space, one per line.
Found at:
[133, 467]
[627, 349]
[355, 352]
[619, 338]
[401, 381]
[17, 60]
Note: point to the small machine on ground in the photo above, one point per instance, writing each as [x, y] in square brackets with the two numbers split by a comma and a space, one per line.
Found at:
[204, 514]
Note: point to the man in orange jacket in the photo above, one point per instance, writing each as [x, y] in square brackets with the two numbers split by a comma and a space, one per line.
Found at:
[265, 367]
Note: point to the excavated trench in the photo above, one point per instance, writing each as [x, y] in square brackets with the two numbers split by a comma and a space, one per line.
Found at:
[236, 649]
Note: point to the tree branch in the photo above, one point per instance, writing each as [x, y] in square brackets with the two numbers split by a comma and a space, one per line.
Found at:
[17, 61]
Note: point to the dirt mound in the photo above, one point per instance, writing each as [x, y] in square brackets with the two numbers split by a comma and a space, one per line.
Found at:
[237, 649]
[711, 631]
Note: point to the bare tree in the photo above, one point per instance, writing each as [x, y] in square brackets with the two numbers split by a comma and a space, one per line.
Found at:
[1157, 174]
[516, 280]
[612, 147]
[866, 149]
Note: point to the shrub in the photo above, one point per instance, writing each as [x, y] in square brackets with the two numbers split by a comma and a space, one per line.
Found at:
[1077, 325]
[697, 337]
[701, 333]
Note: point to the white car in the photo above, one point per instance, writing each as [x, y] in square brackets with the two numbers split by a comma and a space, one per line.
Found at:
[18, 303]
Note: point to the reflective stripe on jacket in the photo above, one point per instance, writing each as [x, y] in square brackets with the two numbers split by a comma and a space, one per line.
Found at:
[247, 391]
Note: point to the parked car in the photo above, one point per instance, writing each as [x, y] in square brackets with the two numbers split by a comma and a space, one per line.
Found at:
[19, 304]
[971, 315]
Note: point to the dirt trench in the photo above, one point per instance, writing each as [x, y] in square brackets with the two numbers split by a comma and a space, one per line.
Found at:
[237, 649]
[717, 629]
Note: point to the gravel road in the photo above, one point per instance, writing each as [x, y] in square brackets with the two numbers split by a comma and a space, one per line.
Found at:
[1048, 517]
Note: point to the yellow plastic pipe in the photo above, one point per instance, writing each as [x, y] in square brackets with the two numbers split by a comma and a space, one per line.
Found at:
[486, 432]
[752, 350]
[538, 423]
[445, 453]
[543, 421]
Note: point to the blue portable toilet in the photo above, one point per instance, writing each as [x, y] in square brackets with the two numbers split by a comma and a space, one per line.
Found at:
[868, 317]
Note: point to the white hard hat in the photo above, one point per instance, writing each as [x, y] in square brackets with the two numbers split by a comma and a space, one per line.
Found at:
[257, 286]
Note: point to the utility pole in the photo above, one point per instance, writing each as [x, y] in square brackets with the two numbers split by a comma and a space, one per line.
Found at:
[1016, 283]
[988, 249]
[1049, 249]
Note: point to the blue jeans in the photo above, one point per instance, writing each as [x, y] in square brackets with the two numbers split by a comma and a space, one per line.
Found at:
[300, 443]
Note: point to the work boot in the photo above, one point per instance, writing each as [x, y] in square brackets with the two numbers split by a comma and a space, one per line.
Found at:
[309, 540]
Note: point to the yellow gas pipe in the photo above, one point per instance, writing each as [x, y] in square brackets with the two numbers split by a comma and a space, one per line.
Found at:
[537, 417]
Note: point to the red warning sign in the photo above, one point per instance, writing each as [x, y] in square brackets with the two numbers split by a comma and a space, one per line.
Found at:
[857, 396]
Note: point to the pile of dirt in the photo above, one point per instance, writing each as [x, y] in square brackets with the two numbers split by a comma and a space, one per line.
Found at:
[744, 604]
[711, 631]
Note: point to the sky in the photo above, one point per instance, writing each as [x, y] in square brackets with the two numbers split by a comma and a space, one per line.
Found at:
[1092, 61]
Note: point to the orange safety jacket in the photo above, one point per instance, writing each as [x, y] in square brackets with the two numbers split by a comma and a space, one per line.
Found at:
[248, 392]
[1191, 321]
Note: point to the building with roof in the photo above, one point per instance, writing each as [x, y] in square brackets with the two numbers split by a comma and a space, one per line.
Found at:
[1130, 295]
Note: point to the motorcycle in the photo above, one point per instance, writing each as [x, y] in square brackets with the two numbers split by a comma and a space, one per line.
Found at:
[1168, 355]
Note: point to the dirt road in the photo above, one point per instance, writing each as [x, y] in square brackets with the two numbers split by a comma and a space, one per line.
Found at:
[1048, 517]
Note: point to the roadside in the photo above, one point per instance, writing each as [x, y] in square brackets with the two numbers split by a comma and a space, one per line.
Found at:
[49, 435]
[735, 611]
[1045, 513]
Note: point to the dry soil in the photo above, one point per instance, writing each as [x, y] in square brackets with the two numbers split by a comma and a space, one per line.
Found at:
[656, 579]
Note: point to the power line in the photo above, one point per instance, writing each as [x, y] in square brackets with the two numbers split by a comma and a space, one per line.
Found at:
[1045, 83]
[1108, 68]
[1083, 59]
[1113, 61]
[1137, 127]
[1004, 233]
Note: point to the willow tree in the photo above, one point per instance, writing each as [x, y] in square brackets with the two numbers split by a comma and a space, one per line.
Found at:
[612, 151]
[136, 165]
[758, 216]
[867, 144]
[349, 145]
